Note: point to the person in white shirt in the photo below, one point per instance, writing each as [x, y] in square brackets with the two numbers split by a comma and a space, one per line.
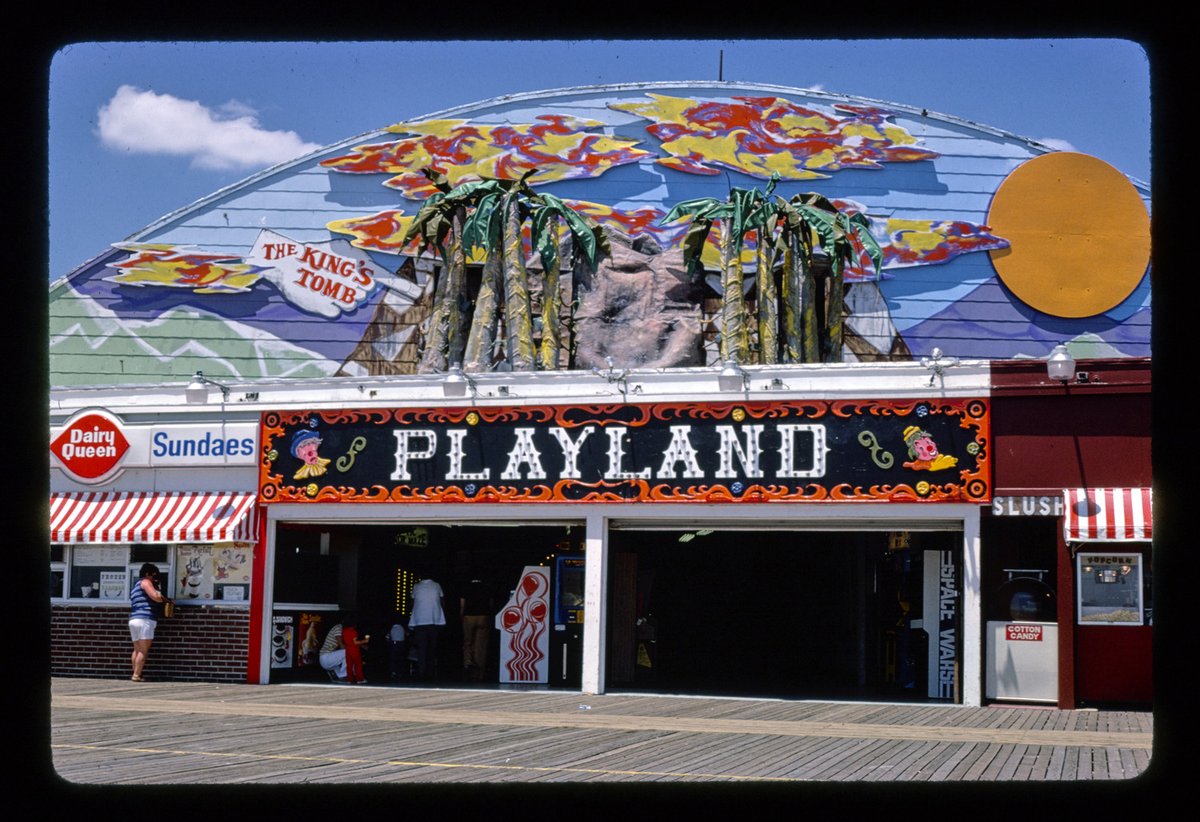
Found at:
[426, 621]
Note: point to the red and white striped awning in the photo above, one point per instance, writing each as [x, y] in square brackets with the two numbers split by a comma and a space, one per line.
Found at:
[137, 516]
[1107, 514]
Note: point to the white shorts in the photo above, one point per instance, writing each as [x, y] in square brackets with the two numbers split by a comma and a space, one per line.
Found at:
[140, 629]
[334, 661]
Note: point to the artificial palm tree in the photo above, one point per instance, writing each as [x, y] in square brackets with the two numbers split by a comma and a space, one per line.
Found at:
[498, 212]
[762, 220]
[588, 241]
[787, 228]
[439, 224]
[812, 334]
[705, 211]
[745, 210]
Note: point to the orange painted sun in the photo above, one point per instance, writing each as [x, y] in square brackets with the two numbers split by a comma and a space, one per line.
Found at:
[1078, 233]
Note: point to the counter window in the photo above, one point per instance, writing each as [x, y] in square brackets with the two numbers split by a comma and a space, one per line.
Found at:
[187, 573]
[1111, 589]
[58, 572]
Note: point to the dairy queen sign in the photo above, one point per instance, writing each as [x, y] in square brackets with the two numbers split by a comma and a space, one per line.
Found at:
[91, 448]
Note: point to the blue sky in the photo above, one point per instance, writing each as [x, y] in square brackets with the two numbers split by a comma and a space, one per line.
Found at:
[141, 129]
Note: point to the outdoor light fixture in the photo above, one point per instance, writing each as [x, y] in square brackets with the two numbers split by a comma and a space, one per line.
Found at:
[197, 389]
[937, 363]
[612, 374]
[1060, 365]
[732, 377]
[457, 383]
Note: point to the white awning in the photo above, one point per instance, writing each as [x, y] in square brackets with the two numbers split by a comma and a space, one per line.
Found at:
[138, 517]
[1107, 514]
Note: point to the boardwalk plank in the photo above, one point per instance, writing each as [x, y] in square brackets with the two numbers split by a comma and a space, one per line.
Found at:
[210, 733]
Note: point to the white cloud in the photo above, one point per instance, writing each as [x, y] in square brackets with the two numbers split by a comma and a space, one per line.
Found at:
[1056, 144]
[143, 122]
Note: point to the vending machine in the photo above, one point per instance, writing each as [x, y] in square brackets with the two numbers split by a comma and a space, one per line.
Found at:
[1022, 655]
[566, 638]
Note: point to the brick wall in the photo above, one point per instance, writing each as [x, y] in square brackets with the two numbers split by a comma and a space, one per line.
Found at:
[205, 644]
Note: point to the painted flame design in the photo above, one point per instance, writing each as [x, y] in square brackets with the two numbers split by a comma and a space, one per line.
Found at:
[383, 231]
[560, 147]
[164, 264]
[762, 136]
[925, 242]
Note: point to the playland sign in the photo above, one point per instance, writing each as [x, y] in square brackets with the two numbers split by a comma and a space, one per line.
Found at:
[819, 450]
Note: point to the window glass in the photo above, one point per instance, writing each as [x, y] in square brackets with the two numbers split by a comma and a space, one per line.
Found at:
[1110, 589]
[158, 554]
[1148, 587]
[187, 572]
[58, 578]
[97, 566]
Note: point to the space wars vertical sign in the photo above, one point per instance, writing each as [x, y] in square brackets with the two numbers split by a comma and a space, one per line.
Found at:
[944, 645]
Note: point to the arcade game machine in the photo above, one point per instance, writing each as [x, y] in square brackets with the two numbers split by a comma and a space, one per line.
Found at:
[566, 638]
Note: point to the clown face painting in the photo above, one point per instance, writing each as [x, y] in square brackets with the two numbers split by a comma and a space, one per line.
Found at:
[305, 445]
[923, 451]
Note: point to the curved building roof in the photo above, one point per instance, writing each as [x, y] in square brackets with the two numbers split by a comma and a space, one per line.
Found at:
[994, 246]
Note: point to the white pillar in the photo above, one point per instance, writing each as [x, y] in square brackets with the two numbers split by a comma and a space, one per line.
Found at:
[972, 659]
[595, 601]
[268, 597]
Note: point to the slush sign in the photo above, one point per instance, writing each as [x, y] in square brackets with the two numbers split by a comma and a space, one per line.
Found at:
[91, 447]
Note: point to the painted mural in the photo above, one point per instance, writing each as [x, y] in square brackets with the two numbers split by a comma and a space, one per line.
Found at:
[312, 268]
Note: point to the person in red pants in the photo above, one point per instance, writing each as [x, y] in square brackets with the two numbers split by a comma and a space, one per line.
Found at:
[353, 644]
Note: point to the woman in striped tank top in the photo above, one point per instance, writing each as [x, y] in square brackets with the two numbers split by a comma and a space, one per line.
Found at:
[143, 616]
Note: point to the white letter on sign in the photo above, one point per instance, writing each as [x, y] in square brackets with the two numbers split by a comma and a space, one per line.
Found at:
[404, 453]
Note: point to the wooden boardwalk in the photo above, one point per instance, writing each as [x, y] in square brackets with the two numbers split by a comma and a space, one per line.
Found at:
[108, 732]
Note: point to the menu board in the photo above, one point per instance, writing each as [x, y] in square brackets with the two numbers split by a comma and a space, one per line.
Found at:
[112, 585]
[212, 571]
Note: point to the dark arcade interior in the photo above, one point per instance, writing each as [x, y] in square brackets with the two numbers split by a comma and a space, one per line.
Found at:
[772, 613]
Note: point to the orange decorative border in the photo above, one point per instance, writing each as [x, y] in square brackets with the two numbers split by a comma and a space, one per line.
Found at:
[972, 485]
